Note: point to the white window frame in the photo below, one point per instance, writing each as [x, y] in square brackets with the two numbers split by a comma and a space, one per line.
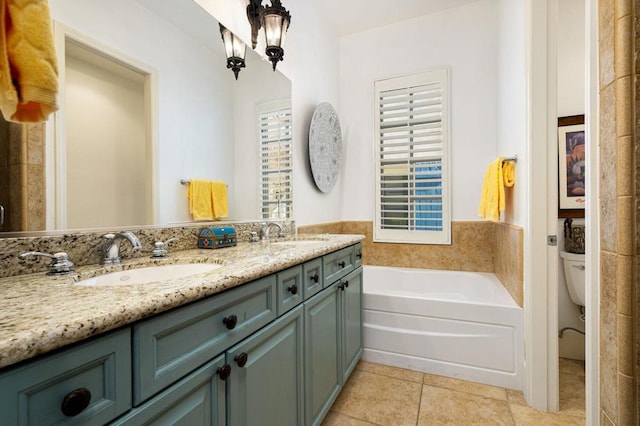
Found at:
[285, 174]
[414, 236]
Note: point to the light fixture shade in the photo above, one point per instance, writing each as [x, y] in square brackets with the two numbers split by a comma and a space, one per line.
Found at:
[235, 50]
[275, 20]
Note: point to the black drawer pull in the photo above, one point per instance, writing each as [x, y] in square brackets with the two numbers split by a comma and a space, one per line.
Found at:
[224, 372]
[75, 402]
[359, 255]
[315, 278]
[241, 359]
[342, 264]
[293, 289]
[230, 321]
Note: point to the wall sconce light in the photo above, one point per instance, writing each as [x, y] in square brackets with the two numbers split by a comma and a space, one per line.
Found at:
[275, 19]
[235, 49]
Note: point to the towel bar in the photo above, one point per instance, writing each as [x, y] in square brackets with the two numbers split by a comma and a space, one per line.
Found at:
[514, 159]
[187, 181]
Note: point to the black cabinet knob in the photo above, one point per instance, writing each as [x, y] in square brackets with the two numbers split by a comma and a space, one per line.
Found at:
[359, 255]
[346, 283]
[224, 372]
[315, 278]
[241, 359]
[341, 286]
[342, 264]
[293, 289]
[230, 321]
[75, 402]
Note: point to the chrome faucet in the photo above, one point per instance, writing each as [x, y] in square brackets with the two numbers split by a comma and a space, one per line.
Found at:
[60, 263]
[112, 253]
[265, 230]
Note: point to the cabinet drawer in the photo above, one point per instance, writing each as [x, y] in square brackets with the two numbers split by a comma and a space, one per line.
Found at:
[97, 373]
[312, 277]
[337, 264]
[200, 396]
[169, 346]
[357, 252]
[290, 288]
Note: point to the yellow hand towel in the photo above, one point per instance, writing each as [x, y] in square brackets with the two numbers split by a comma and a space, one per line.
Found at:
[200, 199]
[492, 199]
[219, 197]
[28, 66]
[508, 173]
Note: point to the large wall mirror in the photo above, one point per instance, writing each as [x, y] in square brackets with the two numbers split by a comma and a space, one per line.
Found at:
[146, 101]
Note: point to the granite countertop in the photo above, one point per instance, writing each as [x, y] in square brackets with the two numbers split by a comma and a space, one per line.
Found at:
[39, 313]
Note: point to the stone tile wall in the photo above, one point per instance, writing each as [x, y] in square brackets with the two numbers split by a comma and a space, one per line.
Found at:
[476, 246]
[618, 212]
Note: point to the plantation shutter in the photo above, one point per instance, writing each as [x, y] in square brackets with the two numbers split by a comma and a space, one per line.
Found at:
[276, 173]
[412, 137]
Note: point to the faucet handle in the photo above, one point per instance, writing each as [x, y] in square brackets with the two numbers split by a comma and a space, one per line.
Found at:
[60, 263]
[160, 248]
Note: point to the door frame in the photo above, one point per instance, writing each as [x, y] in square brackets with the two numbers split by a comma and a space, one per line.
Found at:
[56, 193]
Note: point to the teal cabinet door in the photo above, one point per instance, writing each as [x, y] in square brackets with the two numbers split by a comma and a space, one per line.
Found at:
[351, 321]
[266, 382]
[323, 373]
[86, 384]
[198, 399]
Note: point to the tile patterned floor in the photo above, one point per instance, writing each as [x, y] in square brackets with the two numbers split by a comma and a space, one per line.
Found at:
[380, 395]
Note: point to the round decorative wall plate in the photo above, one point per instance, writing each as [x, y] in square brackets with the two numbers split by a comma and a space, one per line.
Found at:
[325, 146]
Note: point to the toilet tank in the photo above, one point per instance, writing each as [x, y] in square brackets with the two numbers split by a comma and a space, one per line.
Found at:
[574, 273]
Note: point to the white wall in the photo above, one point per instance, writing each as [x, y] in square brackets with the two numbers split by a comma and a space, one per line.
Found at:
[571, 61]
[195, 128]
[465, 40]
[512, 103]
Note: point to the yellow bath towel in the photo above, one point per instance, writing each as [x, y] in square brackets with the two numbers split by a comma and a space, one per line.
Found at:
[200, 199]
[219, 197]
[28, 67]
[497, 177]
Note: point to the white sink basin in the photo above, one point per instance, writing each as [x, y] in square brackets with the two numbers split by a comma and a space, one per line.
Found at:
[150, 274]
[298, 242]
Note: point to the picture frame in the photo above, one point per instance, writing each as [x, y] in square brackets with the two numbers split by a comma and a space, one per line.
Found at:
[571, 166]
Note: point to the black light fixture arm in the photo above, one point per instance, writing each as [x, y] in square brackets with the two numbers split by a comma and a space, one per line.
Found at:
[253, 14]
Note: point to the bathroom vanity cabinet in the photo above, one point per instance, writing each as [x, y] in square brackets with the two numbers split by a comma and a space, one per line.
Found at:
[275, 351]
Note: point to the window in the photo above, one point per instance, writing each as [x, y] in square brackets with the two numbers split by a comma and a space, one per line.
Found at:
[412, 161]
[276, 173]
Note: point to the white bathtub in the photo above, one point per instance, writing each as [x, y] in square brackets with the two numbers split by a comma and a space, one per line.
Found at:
[457, 324]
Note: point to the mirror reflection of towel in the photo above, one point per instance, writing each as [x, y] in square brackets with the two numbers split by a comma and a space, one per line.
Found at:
[200, 199]
[208, 199]
[219, 197]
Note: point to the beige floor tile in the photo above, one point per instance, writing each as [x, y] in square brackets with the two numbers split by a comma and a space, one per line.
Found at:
[516, 397]
[527, 416]
[441, 406]
[337, 419]
[379, 399]
[571, 366]
[464, 386]
[385, 370]
[572, 394]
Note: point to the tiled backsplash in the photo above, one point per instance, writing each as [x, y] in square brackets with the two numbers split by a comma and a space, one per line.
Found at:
[86, 248]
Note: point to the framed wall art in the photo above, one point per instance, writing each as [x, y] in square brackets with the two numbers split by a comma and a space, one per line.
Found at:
[571, 166]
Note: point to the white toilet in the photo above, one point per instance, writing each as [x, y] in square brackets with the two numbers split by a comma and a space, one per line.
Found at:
[574, 275]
